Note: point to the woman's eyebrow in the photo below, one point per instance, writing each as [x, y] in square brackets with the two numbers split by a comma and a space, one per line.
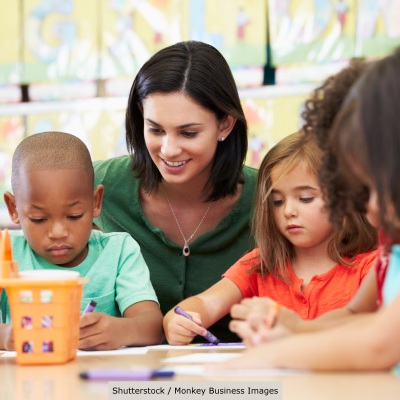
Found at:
[189, 124]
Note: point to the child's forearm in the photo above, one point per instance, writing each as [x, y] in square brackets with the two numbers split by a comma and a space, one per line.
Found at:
[353, 346]
[348, 347]
[330, 319]
[214, 303]
[143, 329]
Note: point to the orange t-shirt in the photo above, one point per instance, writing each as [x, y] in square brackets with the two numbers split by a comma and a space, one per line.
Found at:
[324, 292]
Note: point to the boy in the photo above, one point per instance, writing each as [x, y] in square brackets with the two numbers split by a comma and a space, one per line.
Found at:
[54, 202]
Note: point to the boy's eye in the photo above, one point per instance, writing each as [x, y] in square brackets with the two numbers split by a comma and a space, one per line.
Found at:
[37, 220]
[74, 217]
[306, 199]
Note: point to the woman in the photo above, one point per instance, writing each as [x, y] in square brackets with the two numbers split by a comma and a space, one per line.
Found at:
[183, 193]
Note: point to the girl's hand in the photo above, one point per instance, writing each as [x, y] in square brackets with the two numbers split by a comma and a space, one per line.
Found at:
[180, 330]
[259, 319]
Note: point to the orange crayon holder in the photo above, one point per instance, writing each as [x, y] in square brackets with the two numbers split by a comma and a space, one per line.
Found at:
[45, 319]
[45, 312]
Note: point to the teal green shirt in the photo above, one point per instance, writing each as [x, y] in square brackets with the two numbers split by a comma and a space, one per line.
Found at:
[118, 275]
[391, 286]
[174, 276]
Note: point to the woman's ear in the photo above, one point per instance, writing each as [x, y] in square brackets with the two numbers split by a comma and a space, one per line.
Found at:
[226, 127]
[9, 199]
[97, 200]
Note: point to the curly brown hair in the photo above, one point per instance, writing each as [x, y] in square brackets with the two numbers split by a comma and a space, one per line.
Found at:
[365, 138]
[320, 112]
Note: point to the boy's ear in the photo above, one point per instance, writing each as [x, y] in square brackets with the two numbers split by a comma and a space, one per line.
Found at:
[97, 200]
[9, 199]
[226, 126]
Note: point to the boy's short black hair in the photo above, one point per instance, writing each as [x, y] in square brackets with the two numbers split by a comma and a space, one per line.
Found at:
[50, 150]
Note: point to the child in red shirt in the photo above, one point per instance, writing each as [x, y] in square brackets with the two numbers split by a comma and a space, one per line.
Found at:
[301, 261]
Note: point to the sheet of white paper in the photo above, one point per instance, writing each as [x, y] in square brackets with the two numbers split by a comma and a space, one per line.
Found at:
[198, 346]
[119, 352]
[198, 370]
[8, 354]
[201, 358]
[80, 353]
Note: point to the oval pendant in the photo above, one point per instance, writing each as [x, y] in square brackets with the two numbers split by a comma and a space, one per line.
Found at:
[186, 250]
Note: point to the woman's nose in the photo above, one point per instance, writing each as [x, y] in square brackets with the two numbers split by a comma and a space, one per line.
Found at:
[170, 147]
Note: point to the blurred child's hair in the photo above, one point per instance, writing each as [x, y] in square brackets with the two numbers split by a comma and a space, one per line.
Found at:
[325, 101]
[355, 235]
[366, 134]
[319, 114]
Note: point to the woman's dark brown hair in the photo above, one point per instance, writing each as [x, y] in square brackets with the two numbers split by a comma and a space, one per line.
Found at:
[201, 72]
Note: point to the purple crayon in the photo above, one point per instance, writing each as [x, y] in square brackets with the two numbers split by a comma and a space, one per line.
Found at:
[90, 307]
[209, 336]
[138, 374]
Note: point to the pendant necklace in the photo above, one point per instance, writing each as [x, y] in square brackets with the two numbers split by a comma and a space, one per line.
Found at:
[186, 249]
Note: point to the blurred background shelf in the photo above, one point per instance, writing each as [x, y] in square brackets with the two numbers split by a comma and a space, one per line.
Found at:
[68, 65]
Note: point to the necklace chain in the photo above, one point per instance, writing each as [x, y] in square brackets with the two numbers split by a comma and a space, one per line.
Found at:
[186, 249]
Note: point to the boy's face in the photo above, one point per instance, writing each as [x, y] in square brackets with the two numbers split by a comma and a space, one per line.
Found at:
[56, 209]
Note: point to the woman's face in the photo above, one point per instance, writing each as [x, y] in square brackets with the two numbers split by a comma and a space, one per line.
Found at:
[182, 136]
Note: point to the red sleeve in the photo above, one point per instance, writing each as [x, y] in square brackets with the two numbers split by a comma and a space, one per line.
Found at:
[366, 261]
[239, 274]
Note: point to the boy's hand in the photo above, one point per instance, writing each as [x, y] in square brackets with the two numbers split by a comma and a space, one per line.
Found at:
[180, 330]
[98, 331]
[7, 337]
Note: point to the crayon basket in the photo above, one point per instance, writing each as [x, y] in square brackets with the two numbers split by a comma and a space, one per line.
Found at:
[45, 317]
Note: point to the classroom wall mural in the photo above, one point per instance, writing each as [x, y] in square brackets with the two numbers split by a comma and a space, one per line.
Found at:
[268, 122]
[319, 31]
[11, 134]
[10, 62]
[72, 49]
[60, 40]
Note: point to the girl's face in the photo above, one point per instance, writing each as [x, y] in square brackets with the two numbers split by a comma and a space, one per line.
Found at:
[182, 136]
[299, 209]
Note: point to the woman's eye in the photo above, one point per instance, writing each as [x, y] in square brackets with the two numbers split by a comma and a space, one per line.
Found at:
[156, 131]
[306, 199]
[190, 134]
